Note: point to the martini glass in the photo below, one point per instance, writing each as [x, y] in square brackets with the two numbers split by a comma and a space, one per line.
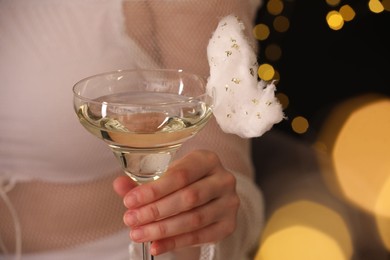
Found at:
[144, 116]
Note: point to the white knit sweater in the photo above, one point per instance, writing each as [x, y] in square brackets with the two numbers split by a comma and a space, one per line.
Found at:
[52, 170]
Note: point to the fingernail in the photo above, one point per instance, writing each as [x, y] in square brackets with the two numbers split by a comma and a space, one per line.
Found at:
[137, 234]
[130, 201]
[153, 251]
[131, 218]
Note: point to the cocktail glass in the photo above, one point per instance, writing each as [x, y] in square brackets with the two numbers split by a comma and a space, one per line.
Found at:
[144, 116]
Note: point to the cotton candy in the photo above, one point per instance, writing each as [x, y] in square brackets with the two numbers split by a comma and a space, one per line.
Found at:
[244, 105]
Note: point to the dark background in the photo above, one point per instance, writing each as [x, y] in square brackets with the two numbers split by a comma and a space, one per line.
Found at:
[320, 67]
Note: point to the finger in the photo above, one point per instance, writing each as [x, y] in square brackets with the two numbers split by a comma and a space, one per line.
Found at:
[209, 234]
[213, 212]
[190, 197]
[122, 185]
[182, 173]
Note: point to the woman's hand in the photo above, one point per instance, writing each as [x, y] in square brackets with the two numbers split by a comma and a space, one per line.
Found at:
[195, 202]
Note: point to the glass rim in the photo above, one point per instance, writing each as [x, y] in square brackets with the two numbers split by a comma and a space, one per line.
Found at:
[78, 84]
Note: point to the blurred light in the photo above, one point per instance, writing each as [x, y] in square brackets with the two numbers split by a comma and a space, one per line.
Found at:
[275, 7]
[333, 2]
[382, 207]
[283, 99]
[273, 52]
[357, 139]
[375, 6]
[261, 32]
[335, 20]
[386, 4]
[266, 72]
[281, 23]
[321, 147]
[299, 125]
[276, 77]
[305, 230]
[347, 13]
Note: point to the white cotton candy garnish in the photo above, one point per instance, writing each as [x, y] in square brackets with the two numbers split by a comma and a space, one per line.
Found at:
[244, 105]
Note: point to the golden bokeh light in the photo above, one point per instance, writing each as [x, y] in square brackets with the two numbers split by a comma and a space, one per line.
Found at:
[335, 20]
[276, 77]
[305, 230]
[281, 23]
[382, 217]
[283, 99]
[375, 6]
[273, 52]
[347, 13]
[300, 125]
[357, 139]
[261, 32]
[275, 7]
[266, 72]
[333, 2]
[386, 4]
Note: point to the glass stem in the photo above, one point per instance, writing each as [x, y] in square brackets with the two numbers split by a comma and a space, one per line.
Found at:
[146, 251]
